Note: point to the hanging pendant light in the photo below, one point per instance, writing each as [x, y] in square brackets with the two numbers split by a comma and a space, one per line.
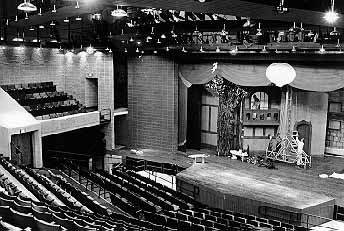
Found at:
[52, 23]
[264, 50]
[40, 12]
[235, 50]
[173, 34]
[77, 5]
[334, 32]
[27, 6]
[78, 18]
[280, 73]
[137, 50]
[338, 43]
[31, 28]
[66, 20]
[16, 18]
[293, 28]
[125, 50]
[224, 32]
[248, 23]
[163, 36]
[158, 42]
[119, 13]
[201, 49]
[322, 49]
[54, 9]
[183, 50]
[217, 49]
[131, 39]
[196, 31]
[259, 30]
[26, 16]
[167, 49]
[281, 9]
[293, 49]
[301, 27]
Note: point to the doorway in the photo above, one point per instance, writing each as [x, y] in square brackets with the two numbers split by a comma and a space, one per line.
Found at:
[304, 129]
[21, 149]
[193, 134]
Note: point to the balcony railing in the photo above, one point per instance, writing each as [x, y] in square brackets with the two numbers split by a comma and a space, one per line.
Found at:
[261, 117]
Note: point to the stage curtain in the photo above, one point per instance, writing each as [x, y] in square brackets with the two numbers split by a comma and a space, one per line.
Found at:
[311, 78]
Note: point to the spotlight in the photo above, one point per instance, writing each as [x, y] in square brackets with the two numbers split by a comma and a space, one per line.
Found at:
[331, 16]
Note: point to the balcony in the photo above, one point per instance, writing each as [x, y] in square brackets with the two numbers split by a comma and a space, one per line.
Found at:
[268, 117]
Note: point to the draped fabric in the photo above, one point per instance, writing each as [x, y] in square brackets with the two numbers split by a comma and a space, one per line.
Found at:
[311, 78]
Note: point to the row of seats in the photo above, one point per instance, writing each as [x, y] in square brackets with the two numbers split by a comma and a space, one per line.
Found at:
[39, 98]
[79, 195]
[170, 192]
[43, 101]
[18, 213]
[57, 115]
[140, 190]
[61, 194]
[27, 88]
[53, 107]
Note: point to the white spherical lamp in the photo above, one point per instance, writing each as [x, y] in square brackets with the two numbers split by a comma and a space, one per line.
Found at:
[280, 73]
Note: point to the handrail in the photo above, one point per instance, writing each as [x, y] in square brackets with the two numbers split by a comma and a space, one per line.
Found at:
[68, 153]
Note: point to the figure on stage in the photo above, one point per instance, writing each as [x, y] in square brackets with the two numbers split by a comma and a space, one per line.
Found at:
[300, 145]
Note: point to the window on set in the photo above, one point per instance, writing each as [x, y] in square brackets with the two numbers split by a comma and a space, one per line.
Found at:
[259, 101]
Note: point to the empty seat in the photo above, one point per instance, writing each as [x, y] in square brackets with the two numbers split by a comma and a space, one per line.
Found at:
[42, 225]
[23, 220]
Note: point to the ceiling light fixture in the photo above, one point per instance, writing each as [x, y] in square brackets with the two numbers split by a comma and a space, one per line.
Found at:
[217, 49]
[196, 31]
[40, 12]
[66, 20]
[183, 50]
[167, 49]
[130, 24]
[331, 16]
[201, 49]
[54, 9]
[301, 27]
[338, 43]
[31, 28]
[334, 32]
[52, 23]
[259, 30]
[293, 49]
[90, 49]
[224, 32]
[41, 26]
[163, 36]
[322, 49]
[77, 5]
[131, 39]
[119, 13]
[158, 42]
[264, 50]
[137, 50]
[26, 16]
[281, 9]
[16, 18]
[27, 6]
[78, 18]
[248, 23]
[125, 50]
[234, 51]
[155, 52]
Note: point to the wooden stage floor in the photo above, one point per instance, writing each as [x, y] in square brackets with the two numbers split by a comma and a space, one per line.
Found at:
[285, 176]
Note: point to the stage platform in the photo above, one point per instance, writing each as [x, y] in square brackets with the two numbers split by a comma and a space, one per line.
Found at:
[242, 192]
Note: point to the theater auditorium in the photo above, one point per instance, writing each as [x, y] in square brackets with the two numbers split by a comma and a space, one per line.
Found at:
[166, 115]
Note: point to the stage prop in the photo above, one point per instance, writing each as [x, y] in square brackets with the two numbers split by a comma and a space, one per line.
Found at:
[240, 189]
[288, 150]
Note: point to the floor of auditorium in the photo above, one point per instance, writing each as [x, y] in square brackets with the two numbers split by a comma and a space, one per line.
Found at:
[287, 174]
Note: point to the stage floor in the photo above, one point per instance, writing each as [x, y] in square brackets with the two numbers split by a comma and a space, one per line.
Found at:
[286, 175]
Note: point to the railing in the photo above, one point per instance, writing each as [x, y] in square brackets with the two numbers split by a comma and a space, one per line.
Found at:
[294, 218]
[261, 117]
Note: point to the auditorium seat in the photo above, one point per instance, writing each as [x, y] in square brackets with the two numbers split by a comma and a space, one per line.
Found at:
[42, 225]
[41, 99]
[22, 220]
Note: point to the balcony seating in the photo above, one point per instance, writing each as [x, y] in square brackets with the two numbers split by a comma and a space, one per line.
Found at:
[43, 101]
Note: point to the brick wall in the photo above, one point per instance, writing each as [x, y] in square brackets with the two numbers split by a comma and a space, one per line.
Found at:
[68, 71]
[153, 103]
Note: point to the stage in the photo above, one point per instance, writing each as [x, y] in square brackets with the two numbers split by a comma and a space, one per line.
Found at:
[242, 192]
[286, 188]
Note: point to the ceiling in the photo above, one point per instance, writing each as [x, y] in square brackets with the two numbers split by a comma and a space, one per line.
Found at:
[310, 12]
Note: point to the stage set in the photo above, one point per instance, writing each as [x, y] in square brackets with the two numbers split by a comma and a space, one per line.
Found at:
[287, 193]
